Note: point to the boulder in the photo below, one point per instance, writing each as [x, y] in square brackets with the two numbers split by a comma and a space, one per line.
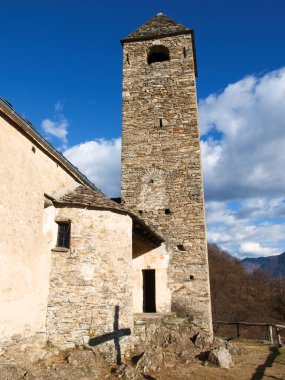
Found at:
[221, 357]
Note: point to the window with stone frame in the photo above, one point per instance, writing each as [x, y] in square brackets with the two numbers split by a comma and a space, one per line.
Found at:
[63, 235]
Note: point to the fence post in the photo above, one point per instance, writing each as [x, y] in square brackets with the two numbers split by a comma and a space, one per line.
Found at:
[279, 341]
[238, 331]
[270, 330]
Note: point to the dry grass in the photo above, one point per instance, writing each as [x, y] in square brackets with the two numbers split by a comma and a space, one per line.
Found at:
[256, 362]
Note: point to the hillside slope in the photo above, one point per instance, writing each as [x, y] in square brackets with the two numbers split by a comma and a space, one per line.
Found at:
[239, 296]
[272, 265]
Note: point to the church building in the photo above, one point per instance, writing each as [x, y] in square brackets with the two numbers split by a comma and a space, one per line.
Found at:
[75, 265]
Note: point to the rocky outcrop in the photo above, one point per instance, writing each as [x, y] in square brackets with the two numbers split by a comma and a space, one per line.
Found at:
[167, 342]
[163, 344]
[30, 361]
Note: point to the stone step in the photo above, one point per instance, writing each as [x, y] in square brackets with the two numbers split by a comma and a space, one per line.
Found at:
[168, 319]
[143, 317]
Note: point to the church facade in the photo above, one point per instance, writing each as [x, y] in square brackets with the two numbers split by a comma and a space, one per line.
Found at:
[76, 265]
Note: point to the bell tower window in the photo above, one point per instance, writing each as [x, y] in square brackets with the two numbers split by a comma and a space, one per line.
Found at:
[158, 53]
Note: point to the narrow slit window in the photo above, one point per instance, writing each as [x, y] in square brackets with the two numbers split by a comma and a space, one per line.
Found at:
[63, 235]
[160, 123]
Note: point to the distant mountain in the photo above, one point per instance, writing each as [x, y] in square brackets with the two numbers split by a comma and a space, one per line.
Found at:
[272, 265]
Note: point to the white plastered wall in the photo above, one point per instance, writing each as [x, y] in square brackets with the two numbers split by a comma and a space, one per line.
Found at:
[25, 236]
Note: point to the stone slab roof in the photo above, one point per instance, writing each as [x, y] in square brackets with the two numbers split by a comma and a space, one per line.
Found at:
[158, 26]
[83, 196]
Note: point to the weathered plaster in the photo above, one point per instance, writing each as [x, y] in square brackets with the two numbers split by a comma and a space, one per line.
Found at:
[157, 259]
[24, 245]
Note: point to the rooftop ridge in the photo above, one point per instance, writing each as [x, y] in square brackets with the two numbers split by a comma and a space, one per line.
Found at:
[158, 26]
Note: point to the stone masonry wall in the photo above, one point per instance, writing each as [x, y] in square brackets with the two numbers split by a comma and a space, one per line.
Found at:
[161, 169]
[90, 293]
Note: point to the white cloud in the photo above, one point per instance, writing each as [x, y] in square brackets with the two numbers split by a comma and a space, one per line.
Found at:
[58, 127]
[243, 135]
[211, 153]
[249, 159]
[100, 161]
[255, 249]
[58, 107]
[255, 222]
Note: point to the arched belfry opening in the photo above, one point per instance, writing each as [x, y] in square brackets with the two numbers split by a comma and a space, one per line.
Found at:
[158, 53]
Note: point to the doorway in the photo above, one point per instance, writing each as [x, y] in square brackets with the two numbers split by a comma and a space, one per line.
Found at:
[149, 291]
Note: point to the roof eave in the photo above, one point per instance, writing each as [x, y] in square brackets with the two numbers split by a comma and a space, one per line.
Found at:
[155, 35]
[138, 225]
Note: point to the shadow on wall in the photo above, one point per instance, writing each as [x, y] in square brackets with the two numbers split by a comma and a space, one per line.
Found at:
[140, 247]
[114, 335]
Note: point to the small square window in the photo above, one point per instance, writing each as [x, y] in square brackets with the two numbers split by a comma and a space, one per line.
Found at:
[63, 235]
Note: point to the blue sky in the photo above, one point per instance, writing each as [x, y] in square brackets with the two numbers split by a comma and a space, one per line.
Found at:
[61, 68]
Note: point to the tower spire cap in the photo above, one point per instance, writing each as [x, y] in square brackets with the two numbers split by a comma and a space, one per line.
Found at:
[158, 27]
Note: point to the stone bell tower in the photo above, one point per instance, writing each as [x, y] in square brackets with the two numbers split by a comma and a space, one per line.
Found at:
[161, 168]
